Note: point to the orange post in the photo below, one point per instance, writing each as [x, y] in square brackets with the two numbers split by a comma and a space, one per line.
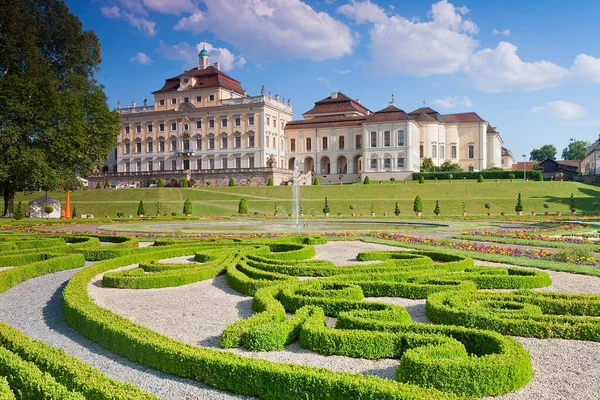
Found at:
[68, 205]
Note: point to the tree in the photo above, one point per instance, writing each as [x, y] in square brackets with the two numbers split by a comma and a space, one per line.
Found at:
[19, 211]
[421, 179]
[427, 165]
[367, 180]
[184, 183]
[519, 206]
[572, 204]
[188, 208]
[540, 177]
[575, 150]
[160, 183]
[74, 214]
[54, 120]
[449, 166]
[418, 204]
[231, 182]
[317, 182]
[270, 182]
[546, 151]
[98, 185]
[106, 184]
[326, 208]
[436, 210]
[140, 210]
[396, 210]
[480, 179]
[243, 206]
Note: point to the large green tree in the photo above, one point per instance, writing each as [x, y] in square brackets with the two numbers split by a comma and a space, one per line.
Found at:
[54, 120]
[575, 150]
[546, 151]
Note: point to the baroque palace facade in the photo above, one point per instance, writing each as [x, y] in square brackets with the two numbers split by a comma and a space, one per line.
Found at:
[203, 125]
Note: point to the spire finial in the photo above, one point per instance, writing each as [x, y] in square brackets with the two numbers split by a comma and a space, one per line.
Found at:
[203, 44]
[393, 97]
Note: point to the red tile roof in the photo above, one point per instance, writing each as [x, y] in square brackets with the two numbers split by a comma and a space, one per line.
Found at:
[340, 104]
[491, 129]
[426, 114]
[462, 117]
[528, 165]
[326, 122]
[205, 78]
[390, 113]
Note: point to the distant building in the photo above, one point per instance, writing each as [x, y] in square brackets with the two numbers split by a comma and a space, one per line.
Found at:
[340, 136]
[37, 207]
[507, 159]
[528, 165]
[590, 165]
[550, 168]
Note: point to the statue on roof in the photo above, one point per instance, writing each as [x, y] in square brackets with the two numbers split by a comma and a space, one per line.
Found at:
[145, 102]
[119, 104]
[262, 90]
[269, 95]
[133, 104]
[277, 96]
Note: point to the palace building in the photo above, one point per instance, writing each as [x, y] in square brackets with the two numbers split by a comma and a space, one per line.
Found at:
[341, 139]
[204, 126]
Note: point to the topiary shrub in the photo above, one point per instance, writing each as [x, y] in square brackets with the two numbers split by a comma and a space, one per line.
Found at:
[188, 208]
[98, 185]
[393, 180]
[174, 182]
[421, 179]
[173, 214]
[572, 203]
[519, 206]
[243, 206]
[231, 182]
[480, 179]
[19, 211]
[48, 209]
[160, 183]
[106, 184]
[185, 183]
[367, 180]
[418, 205]
[270, 182]
[540, 178]
[511, 176]
[140, 210]
[396, 210]
[436, 210]
[316, 181]
[488, 206]
[74, 214]
[326, 209]
[372, 208]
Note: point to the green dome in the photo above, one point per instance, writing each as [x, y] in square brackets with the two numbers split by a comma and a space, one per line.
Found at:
[203, 52]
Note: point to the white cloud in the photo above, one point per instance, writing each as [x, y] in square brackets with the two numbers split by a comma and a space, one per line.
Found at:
[586, 68]
[113, 12]
[452, 101]
[505, 32]
[403, 46]
[342, 71]
[501, 69]
[562, 109]
[272, 29]
[141, 58]
[171, 6]
[146, 26]
[189, 55]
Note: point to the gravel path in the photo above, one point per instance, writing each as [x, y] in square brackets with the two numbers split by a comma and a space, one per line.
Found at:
[35, 308]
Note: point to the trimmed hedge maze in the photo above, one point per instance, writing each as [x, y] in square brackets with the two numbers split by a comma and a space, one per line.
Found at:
[292, 295]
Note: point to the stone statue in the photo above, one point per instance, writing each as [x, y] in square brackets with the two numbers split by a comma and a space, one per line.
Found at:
[277, 96]
[245, 93]
[145, 102]
[269, 95]
[133, 104]
[289, 102]
[283, 100]
[119, 104]
[262, 90]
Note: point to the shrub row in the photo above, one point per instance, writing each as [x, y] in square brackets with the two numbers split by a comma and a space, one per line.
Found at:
[531, 174]
[289, 251]
[247, 280]
[524, 313]
[5, 391]
[222, 370]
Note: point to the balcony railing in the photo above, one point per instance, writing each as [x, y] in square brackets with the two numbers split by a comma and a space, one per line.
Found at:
[188, 152]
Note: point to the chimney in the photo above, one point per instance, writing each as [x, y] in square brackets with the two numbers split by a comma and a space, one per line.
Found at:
[334, 95]
[216, 65]
[357, 100]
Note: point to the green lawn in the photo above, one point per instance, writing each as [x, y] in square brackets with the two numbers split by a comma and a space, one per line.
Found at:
[216, 201]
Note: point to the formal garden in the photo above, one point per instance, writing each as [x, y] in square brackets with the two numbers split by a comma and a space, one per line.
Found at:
[496, 313]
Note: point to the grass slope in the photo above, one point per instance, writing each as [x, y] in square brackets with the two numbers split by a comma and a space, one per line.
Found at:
[224, 200]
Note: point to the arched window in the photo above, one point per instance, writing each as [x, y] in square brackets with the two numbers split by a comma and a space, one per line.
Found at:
[373, 139]
[224, 141]
[127, 147]
[150, 145]
[453, 152]
[387, 162]
[138, 145]
[308, 144]
[401, 138]
[471, 151]
[173, 144]
[387, 142]
[161, 144]
[198, 142]
[434, 151]
[373, 163]
[442, 155]
[211, 143]
[251, 139]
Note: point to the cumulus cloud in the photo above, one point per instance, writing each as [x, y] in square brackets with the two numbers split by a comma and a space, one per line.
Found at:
[586, 68]
[138, 21]
[562, 109]
[404, 46]
[501, 69]
[113, 12]
[187, 53]
[285, 28]
[342, 71]
[453, 101]
[141, 58]
[176, 7]
[505, 32]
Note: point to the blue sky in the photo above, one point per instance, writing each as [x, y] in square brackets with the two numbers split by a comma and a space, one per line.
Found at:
[530, 68]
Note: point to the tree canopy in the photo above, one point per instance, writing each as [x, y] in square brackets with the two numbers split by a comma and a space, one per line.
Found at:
[575, 150]
[546, 151]
[54, 120]
[427, 165]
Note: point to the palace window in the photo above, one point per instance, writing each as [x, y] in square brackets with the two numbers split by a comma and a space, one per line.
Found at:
[324, 142]
[127, 167]
[224, 122]
[238, 121]
[358, 143]
[211, 97]
[251, 120]
[186, 165]
[173, 144]
[161, 145]
[250, 162]
[238, 162]
[149, 127]
[161, 127]
[173, 101]
[453, 151]
[421, 151]
[387, 139]
[434, 151]
[198, 99]
[471, 151]
[224, 163]
[373, 163]
[387, 162]
[127, 129]
[471, 168]
[138, 146]
[161, 165]
[186, 144]
[199, 164]
[138, 166]
[199, 124]
[341, 142]
[282, 124]
[224, 142]
[161, 102]
[127, 147]
[173, 126]
[308, 144]
[211, 163]
[274, 143]
[268, 120]
[373, 139]
[251, 141]
[292, 145]
[150, 146]
[400, 162]
[186, 127]
[138, 128]
[442, 151]
[173, 165]
[238, 141]
[199, 143]
[401, 138]
[274, 122]
[186, 100]
[150, 166]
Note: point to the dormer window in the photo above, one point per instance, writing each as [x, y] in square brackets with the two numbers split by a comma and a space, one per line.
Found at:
[185, 100]
[161, 102]
[173, 101]
[211, 97]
